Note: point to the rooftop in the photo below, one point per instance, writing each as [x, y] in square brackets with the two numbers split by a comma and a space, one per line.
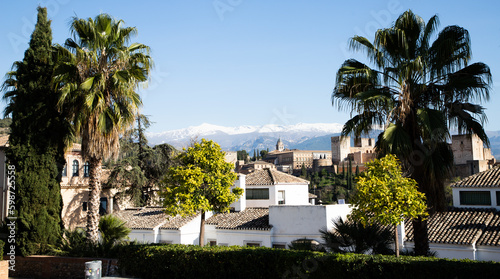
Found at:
[272, 177]
[148, 218]
[248, 219]
[462, 226]
[488, 178]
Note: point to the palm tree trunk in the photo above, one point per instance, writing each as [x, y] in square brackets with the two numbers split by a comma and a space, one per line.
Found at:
[95, 170]
[202, 229]
[420, 237]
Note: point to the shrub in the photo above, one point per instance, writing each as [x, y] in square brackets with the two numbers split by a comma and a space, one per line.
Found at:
[180, 261]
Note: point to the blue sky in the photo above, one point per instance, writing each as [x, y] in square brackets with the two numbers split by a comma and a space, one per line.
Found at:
[242, 62]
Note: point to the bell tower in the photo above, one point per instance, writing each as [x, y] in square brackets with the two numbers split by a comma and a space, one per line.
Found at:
[279, 145]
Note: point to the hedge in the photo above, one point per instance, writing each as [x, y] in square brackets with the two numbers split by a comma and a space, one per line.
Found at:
[180, 261]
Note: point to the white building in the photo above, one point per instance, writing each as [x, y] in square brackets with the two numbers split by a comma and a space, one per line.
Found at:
[470, 230]
[267, 187]
[460, 233]
[274, 211]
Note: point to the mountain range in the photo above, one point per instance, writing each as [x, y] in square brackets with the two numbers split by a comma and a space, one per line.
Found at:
[304, 136]
[299, 136]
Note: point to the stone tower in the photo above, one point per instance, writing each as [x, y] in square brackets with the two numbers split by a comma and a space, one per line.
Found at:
[279, 145]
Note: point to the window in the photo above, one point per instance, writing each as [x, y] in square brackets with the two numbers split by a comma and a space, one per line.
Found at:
[103, 208]
[86, 169]
[498, 197]
[253, 244]
[257, 194]
[475, 198]
[84, 206]
[279, 245]
[65, 170]
[281, 197]
[212, 242]
[75, 168]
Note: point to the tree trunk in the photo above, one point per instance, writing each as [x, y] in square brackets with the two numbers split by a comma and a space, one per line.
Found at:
[95, 170]
[397, 240]
[202, 229]
[420, 237]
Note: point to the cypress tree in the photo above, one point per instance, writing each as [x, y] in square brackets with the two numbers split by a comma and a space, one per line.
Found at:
[38, 138]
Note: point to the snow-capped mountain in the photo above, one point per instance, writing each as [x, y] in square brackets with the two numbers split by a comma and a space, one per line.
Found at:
[247, 137]
[305, 136]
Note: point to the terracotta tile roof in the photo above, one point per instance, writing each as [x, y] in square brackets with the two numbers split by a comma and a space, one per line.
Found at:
[488, 178]
[248, 219]
[146, 218]
[491, 232]
[460, 226]
[272, 177]
[175, 223]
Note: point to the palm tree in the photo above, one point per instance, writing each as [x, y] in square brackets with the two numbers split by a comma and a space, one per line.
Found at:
[113, 231]
[97, 80]
[352, 237]
[417, 91]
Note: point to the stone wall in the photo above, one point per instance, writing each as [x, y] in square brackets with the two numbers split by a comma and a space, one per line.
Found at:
[4, 269]
[58, 267]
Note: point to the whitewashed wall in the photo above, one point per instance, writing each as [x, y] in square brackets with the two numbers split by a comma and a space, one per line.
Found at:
[144, 236]
[190, 232]
[291, 222]
[240, 204]
[488, 253]
[295, 194]
[242, 237]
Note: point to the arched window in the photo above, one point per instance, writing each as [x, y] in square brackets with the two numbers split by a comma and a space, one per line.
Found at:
[86, 169]
[75, 168]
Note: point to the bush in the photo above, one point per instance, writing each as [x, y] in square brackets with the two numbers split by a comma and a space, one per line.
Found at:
[180, 261]
[2, 244]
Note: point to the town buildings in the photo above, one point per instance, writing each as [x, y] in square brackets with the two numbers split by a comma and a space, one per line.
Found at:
[358, 150]
[292, 160]
[74, 188]
[274, 211]
[470, 155]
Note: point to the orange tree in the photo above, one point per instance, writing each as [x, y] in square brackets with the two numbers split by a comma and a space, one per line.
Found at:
[383, 195]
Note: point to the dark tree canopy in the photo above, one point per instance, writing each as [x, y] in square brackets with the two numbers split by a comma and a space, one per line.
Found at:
[37, 141]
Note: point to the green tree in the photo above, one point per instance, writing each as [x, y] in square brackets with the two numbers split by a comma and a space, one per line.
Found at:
[383, 195]
[201, 183]
[418, 91]
[140, 168]
[97, 79]
[263, 154]
[303, 171]
[39, 134]
[242, 155]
